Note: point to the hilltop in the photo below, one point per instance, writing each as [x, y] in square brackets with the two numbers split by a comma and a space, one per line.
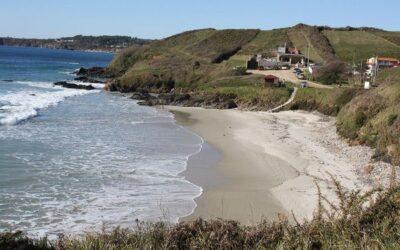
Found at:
[79, 42]
[200, 56]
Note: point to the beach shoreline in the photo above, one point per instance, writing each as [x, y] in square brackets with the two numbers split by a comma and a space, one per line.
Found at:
[270, 163]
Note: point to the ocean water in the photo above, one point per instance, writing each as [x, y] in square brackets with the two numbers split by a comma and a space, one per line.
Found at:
[76, 160]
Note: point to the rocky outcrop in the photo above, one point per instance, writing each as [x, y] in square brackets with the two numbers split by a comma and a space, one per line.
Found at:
[87, 79]
[216, 101]
[98, 72]
[68, 85]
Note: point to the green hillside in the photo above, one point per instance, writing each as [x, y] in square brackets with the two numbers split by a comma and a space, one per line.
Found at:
[304, 37]
[266, 42]
[393, 37]
[363, 44]
[187, 61]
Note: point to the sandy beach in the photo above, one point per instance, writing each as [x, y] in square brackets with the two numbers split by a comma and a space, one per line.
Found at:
[270, 163]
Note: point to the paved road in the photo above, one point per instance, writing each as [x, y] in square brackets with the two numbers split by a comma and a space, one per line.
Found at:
[288, 75]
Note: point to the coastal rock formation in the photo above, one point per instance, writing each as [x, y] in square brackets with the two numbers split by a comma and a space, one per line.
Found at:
[87, 79]
[68, 85]
[95, 72]
[215, 101]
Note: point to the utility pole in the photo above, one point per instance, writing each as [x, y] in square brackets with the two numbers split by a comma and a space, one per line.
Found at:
[376, 68]
[308, 54]
[361, 72]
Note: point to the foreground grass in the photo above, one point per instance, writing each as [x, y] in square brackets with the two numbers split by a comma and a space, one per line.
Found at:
[358, 221]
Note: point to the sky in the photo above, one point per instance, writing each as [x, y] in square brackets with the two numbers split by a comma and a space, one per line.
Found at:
[154, 19]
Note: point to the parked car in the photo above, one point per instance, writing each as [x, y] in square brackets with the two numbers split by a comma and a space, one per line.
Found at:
[304, 84]
[297, 71]
[301, 76]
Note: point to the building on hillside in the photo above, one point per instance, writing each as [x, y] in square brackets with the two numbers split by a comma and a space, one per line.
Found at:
[271, 80]
[260, 63]
[290, 55]
[252, 63]
[376, 63]
[285, 58]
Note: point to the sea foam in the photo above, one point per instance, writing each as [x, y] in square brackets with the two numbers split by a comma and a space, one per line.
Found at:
[22, 105]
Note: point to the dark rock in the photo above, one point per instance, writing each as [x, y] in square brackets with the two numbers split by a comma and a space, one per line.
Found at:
[95, 72]
[141, 96]
[217, 101]
[181, 97]
[230, 104]
[387, 158]
[68, 85]
[86, 79]
[165, 99]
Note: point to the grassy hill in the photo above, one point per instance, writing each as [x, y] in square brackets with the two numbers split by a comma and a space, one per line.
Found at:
[190, 58]
[193, 61]
[363, 44]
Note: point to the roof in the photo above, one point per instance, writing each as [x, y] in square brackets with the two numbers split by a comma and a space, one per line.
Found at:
[293, 51]
[388, 59]
[271, 77]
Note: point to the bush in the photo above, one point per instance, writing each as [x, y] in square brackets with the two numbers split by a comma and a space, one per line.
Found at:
[331, 73]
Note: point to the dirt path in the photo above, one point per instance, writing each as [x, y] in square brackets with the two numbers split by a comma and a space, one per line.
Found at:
[288, 75]
[286, 103]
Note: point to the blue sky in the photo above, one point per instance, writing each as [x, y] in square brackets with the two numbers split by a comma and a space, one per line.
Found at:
[161, 18]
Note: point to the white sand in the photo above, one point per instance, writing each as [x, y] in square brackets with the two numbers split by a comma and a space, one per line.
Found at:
[271, 162]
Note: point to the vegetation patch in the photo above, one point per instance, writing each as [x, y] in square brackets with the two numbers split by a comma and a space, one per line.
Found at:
[326, 101]
[372, 118]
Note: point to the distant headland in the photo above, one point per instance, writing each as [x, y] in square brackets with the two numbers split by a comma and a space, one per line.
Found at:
[79, 42]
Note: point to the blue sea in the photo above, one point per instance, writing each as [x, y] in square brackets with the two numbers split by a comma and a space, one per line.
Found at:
[76, 160]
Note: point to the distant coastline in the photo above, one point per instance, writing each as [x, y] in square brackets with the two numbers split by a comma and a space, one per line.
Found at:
[80, 43]
[82, 50]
